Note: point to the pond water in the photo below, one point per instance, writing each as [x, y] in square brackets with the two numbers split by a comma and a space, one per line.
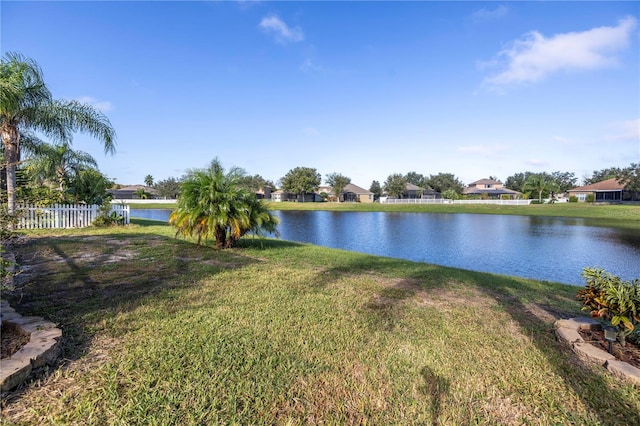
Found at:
[543, 248]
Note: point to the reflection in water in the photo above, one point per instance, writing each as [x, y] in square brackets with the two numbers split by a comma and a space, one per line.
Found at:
[543, 248]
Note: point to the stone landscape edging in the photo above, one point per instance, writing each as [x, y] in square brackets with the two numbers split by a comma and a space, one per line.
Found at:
[43, 347]
[567, 330]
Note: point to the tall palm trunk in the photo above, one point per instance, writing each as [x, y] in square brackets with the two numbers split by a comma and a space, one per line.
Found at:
[11, 141]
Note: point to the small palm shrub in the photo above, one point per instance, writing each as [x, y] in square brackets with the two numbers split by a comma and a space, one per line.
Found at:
[215, 202]
[616, 301]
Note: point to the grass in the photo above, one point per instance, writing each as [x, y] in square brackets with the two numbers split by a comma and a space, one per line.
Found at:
[159, 331]
[613, 212]
[604, 214]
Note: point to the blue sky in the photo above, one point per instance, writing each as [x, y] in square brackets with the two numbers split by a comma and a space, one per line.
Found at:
[365, 89]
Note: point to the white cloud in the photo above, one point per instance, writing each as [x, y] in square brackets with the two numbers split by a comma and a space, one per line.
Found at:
[309, 67]
[102, 106]
[484, 15]
[272, 24]
[534, 56]
[626, 131]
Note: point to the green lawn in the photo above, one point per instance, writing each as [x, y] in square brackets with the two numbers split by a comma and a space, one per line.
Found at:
[617, 212]
[614, 214]
[159, 331]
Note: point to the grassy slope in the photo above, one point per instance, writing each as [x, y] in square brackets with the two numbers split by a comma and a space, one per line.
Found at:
[605, 214]
[283, 333]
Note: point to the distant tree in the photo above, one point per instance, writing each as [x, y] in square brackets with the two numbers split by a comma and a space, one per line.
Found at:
[630, 177]
[215, 202]
[517, 181]
[141, 194]
[445, 181]
[541, 184]
[168, 188]
[395, 185]
[494, 178]
[301, 180]
[148, 180]
[564, 180]
[338, 183]
[416, 179]
[450, 194]
[604, 174]
[256, 182]
[376, 189]
[26, 104]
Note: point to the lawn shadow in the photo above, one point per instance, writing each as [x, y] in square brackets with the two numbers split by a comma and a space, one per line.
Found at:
[82, 282]
[532, 307]
[435, 387]
[610, 405]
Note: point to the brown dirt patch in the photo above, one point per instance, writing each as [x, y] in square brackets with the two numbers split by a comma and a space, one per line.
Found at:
[630, 353]
[13, 339]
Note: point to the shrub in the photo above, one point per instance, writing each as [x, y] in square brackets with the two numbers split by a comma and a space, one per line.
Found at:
[450, 194]
[590, 198]
[106, 217]
[573, 199]
[616, 301]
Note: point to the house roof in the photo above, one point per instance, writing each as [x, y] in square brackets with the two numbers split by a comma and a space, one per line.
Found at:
[606, 185]
[412, 187]
[134, 188]
[485, 181]
[356, 189]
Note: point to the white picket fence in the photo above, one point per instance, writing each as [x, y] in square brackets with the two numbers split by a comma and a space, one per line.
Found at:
[60, 216]
[447, 201]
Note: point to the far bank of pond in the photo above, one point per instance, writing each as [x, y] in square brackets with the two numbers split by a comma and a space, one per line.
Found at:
[542, 248]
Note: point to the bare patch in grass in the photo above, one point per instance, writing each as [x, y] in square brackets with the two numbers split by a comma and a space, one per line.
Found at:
[505, 411]
[349, 396]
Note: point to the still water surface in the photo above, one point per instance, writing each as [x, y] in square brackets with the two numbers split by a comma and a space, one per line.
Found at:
[543, 248]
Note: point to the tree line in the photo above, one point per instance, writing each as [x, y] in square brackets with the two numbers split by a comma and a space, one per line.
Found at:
[306, 180]
[51, 172]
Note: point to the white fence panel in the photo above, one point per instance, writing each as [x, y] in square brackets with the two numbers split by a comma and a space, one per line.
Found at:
[446, 201]
[62, 216]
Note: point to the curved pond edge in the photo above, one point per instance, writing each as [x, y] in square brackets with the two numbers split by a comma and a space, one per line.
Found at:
[567, 332]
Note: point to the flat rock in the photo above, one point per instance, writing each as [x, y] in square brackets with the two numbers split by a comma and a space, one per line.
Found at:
[590, 353]
[569, 335]
[624, 370]
[580, 323]
[13, 371]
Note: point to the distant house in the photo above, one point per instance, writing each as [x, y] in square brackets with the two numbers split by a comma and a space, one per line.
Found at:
[413, 192]
[129, 192]
[490, 188]
[280, 195]
[605, 191]
[264, 193]
[354, 193]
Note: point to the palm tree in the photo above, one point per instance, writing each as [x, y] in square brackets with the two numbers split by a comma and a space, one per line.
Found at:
[215, 203]
[539, 183]
[59, 164]
[26, 104]
[141, 194]
[148, 180]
